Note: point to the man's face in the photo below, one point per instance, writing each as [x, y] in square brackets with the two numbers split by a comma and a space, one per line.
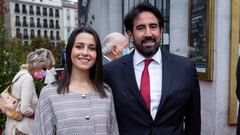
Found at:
[146, 34]
[122, 45]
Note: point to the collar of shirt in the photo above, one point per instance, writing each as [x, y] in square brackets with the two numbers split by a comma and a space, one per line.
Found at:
[138, 58]
[106, 58]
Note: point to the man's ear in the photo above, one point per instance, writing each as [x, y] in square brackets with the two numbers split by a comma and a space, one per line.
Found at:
[162, 31]
[114, 49]
[130, 35]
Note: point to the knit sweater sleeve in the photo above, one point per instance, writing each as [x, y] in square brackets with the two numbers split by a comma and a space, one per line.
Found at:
[114, 124]
[44, 121]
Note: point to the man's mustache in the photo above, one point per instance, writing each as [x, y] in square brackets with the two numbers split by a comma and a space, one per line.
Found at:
[147, 39]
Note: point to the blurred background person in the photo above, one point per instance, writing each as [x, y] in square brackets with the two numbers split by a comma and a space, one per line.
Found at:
[24, 89]
[114, 46]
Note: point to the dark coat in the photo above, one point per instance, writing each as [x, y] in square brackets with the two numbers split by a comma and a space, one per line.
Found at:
[238, 95]
[180, 101]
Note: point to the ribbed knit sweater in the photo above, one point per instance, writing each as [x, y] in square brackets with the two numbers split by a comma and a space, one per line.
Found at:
[74, 114]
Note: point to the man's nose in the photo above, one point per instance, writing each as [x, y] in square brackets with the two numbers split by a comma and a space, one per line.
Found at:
[148, 32]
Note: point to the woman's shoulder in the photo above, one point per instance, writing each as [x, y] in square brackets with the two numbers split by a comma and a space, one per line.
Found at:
[22, 74]
[49, 90]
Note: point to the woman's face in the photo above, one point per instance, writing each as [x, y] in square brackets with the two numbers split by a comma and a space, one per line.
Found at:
[83, 53]
[39, 73]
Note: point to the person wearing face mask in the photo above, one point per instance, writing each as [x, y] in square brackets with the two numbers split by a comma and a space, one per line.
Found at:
[24, 89]
[114, 46]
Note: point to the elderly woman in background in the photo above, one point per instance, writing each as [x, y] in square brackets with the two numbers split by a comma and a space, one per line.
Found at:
[24, 89]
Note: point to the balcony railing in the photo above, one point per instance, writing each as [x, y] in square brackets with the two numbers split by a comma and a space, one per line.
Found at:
[32, 25]
[39, 25]
[24, 11]
[57, 27]
[17, 10]
[31, 12]
[58, 38]
[18, 23]
[25, 36]
[25, 24]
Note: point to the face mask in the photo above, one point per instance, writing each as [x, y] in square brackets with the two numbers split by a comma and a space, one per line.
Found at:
[39, 74]
[125, 51]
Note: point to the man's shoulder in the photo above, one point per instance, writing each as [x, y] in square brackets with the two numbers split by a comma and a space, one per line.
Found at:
[118, 61]
[178, 58]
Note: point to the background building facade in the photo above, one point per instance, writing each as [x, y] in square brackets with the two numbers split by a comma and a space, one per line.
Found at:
[70, 18]
[28, 19]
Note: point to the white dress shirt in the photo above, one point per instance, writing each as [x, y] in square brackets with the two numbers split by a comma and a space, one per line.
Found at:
[155, 74]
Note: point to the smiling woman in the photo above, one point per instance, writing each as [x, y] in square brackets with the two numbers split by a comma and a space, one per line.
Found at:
[83, 53]
[86, 102]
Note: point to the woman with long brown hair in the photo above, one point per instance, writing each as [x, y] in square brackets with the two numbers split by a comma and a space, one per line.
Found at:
[79, 103]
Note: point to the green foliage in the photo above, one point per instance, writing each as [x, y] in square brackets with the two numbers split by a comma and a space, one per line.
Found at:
[3, 119]
[11, 58]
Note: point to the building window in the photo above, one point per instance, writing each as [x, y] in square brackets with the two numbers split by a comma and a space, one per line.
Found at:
[24, 10]
[39, 23]
[45, 25]
[51, 35]
[32, 34]
[45, 11]
[25, 21]
[53, 44]
[31, 10]
[25, 34]
[56, 13]
[68, 13]
[17, 10]
[57, 35]
[51, 24]
[38, 11]
[18, 33]
[32, 22]
[39, 33]
[45, 34]
[57, 25]
[17, 21]
[68, 32]
[51, 12]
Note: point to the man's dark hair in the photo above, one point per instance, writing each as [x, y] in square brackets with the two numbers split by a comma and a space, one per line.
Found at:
[135, 11]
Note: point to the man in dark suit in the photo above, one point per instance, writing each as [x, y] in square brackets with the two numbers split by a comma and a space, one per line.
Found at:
[238, 95]
[155, 93]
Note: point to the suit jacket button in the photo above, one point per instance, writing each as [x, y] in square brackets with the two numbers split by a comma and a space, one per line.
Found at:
[87, 117]
[83, 95]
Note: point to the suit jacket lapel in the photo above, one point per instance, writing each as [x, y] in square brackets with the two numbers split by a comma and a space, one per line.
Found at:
[167, 74]
[131, 79]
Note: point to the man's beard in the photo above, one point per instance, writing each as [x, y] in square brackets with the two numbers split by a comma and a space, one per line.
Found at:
[147, 51]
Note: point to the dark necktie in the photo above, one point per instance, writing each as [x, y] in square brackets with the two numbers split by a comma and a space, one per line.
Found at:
[145, 84]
